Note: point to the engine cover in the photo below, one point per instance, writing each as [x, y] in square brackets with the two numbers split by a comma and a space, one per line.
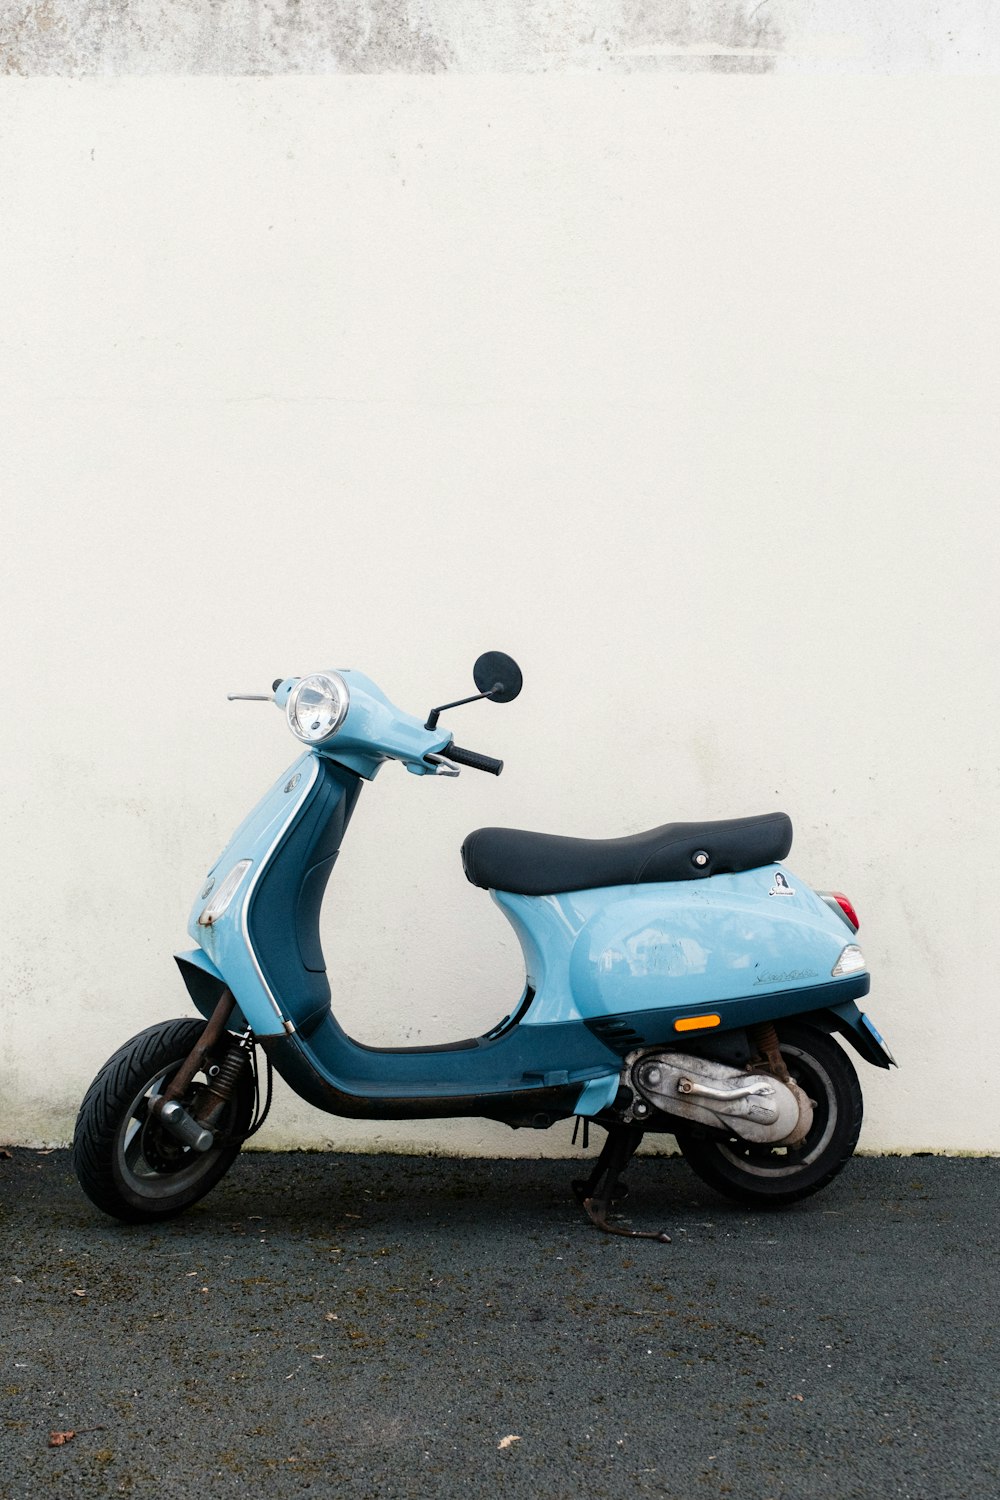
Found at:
[755, 1106]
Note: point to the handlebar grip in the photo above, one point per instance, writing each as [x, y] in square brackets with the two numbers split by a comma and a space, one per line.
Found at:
[473, 759]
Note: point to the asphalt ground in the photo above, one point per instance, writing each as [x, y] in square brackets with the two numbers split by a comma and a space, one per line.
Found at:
[397, 1326]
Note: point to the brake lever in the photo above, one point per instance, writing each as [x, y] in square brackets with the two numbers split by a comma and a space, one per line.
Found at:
[443, 767]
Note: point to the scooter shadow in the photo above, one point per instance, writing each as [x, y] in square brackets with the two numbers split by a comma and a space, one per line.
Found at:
[353, 1197]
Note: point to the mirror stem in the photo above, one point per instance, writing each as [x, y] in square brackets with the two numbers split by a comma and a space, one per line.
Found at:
[435, 713]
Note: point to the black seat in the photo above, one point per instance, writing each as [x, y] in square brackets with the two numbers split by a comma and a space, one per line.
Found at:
[541, 864]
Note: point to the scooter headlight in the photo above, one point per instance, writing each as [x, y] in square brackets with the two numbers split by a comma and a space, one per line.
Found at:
[317, 706]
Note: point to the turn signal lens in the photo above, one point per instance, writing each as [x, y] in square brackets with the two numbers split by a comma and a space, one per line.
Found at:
[696, 1023]
[214, 908]
[851, 961]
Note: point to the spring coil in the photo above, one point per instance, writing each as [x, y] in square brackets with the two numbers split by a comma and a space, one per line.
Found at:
[230, 1071]
[765, 1038]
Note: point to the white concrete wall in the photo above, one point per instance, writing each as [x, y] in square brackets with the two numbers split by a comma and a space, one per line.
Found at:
[682, 389]
[81, 37]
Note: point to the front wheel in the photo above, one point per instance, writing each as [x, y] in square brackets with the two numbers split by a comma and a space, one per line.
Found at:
[127, 1164]
[759, 1174]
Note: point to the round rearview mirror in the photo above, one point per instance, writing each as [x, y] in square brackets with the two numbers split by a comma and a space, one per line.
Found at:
[498, 676]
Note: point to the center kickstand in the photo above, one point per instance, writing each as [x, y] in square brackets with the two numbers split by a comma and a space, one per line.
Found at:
[602, 1188]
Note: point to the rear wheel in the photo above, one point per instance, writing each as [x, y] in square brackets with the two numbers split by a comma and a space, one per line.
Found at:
[760, 1175]
[127, 1164]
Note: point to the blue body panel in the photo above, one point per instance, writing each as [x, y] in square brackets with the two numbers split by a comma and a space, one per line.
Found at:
[521, 1072]
[227, 942]
[607, 969]
[687, 944]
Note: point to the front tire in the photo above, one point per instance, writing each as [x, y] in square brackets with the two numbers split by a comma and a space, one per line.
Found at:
[126, 1163]
[762, 1175]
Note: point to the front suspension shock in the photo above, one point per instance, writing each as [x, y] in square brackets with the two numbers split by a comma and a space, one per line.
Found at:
[222, 1084]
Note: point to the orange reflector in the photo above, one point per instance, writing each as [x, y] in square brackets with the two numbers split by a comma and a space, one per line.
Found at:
[695, 1023]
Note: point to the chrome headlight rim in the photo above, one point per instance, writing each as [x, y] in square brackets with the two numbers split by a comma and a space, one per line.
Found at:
[334, 689]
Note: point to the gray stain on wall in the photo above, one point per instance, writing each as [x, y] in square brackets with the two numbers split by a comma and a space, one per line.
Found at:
[80, 38]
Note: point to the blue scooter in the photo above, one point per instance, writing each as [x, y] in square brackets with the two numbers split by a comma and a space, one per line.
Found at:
[681, 981]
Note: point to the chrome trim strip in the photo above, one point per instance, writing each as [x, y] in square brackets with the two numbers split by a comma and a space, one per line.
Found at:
[261, 867]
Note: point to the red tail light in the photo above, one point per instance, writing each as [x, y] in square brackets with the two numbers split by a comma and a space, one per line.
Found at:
[847, 908]
[838, 902]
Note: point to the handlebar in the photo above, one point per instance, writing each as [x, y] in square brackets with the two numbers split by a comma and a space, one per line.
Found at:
[472, 759]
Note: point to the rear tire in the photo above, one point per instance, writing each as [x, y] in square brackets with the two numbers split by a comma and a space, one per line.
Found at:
[762, 1175]
[127, 1164]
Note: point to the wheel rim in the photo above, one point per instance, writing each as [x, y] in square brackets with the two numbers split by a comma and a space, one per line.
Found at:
[761, 1160]
[148, 1159]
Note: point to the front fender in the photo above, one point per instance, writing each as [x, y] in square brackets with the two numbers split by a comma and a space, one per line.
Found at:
[205, 984]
